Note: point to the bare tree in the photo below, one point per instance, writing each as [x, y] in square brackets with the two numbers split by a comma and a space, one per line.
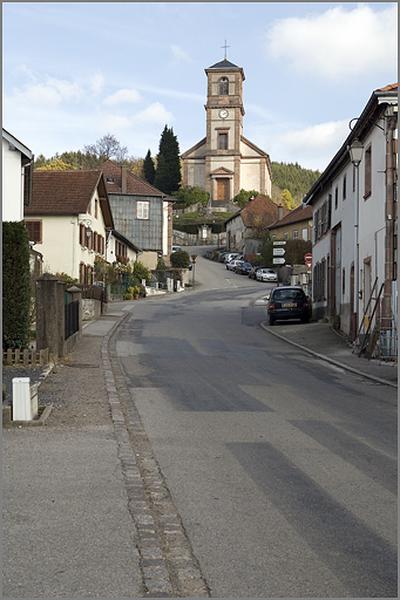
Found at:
[108, 147]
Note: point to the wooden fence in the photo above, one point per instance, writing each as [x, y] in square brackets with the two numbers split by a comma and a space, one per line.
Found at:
[25, 358]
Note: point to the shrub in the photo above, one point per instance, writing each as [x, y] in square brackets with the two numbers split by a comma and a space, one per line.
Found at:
[16, 286]
[141, 272]
[180, 259]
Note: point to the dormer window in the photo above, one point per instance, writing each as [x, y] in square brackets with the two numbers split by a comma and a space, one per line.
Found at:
[223, 86]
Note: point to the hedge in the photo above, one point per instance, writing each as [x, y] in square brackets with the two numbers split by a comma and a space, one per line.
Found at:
[16, 285]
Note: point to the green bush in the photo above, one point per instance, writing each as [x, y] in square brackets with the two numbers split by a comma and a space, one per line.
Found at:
[16, 286]
[140, 272]
[180, 259]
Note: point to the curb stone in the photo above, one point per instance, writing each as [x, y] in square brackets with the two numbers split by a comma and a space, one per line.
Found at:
[167, 563]
[328, 359]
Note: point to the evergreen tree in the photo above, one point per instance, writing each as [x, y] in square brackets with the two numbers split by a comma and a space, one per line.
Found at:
[168, 173]
[148, 168]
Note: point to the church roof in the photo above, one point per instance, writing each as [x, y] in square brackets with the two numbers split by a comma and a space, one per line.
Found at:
[224, 64]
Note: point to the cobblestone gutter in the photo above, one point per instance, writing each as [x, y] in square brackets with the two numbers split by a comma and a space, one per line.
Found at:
[169, 567]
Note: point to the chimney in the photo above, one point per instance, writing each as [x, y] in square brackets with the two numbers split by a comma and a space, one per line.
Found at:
[280, 212]
[124, 173]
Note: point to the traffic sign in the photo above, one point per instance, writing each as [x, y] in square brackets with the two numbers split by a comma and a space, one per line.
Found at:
[279, 243]
[278, 261]
[278, 251]
[308, 259]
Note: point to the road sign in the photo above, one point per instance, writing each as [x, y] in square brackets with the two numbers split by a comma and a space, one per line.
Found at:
[279, 243]
[308, 259]
[278, 251]
[278, 261]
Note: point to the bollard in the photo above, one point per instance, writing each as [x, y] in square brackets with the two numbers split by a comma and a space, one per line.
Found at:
[21, 399]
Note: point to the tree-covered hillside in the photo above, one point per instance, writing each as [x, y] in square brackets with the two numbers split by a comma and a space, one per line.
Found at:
[292, 177]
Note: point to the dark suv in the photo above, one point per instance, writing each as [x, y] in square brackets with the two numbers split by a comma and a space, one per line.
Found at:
[288, 302]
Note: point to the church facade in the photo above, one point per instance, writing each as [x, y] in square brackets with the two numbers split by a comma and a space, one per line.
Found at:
[224, 162]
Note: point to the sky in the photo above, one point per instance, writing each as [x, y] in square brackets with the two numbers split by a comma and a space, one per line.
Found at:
[73, 72]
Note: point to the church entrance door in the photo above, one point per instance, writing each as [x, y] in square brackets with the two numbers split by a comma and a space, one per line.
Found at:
[223, 190]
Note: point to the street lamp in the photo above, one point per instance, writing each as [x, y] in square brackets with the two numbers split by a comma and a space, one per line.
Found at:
[356, 153]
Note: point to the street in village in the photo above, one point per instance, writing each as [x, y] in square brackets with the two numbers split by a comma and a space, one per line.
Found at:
[235, 464]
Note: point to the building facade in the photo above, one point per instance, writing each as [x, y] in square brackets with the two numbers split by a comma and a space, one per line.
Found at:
[246, 228]
[296, 225]
[68, 221]
[224, 162]
[141, 212]
[17, 164]
[120, 249]
[355, 225]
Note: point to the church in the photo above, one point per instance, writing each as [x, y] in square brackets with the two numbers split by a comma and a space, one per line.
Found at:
[224, 162]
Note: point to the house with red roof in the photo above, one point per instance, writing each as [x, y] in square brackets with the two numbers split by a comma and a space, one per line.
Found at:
[244, 230]
[141, 212]
[68, 219]
[296, 225]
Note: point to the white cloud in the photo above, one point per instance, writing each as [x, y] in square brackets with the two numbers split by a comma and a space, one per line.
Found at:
[338, 43]
[123, 96]
[48, 94]
[180, 54]
[96, 83]
[155, 113]
[312, 146]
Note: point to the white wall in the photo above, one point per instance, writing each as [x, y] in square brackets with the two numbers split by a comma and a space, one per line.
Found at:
[60, 247]
[165, 229]
[12, 184]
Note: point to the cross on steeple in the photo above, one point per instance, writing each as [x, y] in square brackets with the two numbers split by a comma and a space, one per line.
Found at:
[225, 48]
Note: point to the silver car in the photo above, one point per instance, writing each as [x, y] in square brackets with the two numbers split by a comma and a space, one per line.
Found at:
[267, 275]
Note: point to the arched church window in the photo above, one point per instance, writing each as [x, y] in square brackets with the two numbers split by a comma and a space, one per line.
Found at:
[223, 86]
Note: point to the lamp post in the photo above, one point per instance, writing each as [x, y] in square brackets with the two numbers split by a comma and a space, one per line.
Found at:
[356, 153]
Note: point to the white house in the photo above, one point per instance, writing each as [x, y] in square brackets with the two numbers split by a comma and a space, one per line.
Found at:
[68, 221]
[355, 224]
[120, 249]
[17, 161]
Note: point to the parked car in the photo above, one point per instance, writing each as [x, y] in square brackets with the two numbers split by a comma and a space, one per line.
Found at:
[243, 268]
[231, 265]
[288, 302]
[230, 256]
[266, 275]
[176, 249]
[254, 270]
[238, 264]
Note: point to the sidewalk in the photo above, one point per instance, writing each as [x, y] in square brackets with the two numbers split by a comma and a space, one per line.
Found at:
[320, 339]
[67, 528]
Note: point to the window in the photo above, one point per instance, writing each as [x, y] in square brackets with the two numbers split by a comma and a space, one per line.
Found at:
[142, 210]
[286, 236]
[295, 234]
[222, 141]
[95, 241]
[343, 281]
[344, 190]
[82, 235]
[96, 208]
[34, 231]
[368, 172]
[336, 197]
[223, 86]
[304, 234]
[82, 273]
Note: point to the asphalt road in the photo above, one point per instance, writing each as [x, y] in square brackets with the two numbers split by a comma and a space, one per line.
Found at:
[282, 467]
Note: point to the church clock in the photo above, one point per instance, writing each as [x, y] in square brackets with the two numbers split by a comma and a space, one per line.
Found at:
[224, 114]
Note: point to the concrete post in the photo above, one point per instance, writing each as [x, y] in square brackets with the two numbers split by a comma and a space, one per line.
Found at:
[77, 296]
[48, 314]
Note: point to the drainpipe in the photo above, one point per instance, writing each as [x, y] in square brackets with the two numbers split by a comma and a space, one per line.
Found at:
[391, 124]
